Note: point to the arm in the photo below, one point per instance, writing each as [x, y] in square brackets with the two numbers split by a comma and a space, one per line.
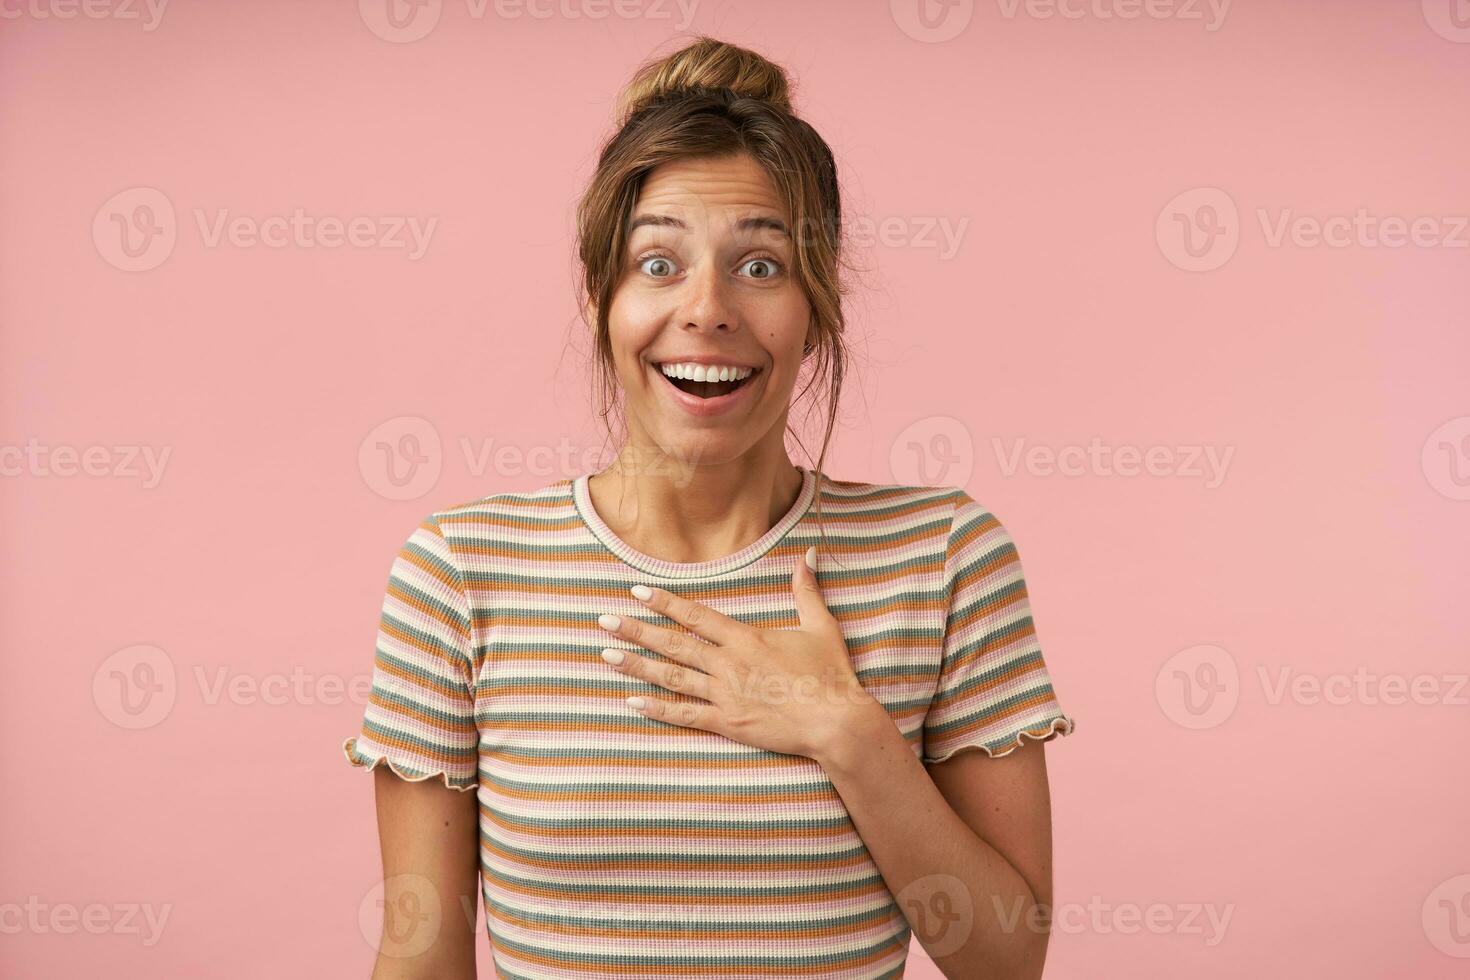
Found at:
[985, 821]
[970, 866]
[420, 740]
[430, 836]
[980, 862]
[1006, 801]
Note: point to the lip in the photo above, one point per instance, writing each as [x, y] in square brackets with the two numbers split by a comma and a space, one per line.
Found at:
[704, 407]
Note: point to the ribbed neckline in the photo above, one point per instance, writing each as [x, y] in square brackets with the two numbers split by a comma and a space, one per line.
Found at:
[582, 499]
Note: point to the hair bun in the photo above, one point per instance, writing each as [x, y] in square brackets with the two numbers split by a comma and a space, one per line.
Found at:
[707, 63]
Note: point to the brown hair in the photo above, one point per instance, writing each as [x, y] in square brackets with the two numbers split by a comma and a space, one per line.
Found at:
[708, 99]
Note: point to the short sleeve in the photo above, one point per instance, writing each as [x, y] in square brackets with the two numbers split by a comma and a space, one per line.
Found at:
[420, 715]
[994, 687]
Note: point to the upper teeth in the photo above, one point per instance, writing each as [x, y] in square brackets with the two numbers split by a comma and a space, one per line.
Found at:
[706, 372]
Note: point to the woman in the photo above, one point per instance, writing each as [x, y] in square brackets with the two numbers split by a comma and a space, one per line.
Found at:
[707, 710]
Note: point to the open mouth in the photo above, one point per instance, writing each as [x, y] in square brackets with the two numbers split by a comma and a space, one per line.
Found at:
[707, 389]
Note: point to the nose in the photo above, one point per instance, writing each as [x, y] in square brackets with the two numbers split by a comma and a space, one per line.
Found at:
[707, 303]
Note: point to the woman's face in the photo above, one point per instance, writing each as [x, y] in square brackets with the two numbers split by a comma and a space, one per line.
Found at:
[707, 287]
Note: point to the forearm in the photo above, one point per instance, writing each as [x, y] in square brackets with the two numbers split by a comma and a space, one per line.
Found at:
[913, 834]
[438, 964]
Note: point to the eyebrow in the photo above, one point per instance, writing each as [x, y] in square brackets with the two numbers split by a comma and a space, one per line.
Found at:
[669, 221]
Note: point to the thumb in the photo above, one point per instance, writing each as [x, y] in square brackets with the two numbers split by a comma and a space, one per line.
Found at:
[811, 607]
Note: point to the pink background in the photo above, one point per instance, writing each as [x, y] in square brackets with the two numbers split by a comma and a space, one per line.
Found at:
[1334, 542]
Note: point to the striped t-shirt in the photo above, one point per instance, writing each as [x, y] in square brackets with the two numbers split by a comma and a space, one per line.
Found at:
[613, 845]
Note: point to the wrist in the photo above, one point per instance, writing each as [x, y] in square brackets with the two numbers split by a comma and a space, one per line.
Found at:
[853, 733]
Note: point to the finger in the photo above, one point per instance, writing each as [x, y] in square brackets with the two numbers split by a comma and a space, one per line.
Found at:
[670, 677]
[682, 647]
[698, 618]
[811, 606]
[686, 714]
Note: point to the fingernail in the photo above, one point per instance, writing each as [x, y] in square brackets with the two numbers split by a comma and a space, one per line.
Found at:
[811, 558]
[636, 702]
[643, 592]
[608, 621]
[613, 656]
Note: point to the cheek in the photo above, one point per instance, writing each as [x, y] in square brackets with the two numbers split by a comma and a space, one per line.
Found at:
[788, 330]
[632, 325]
[628, 306]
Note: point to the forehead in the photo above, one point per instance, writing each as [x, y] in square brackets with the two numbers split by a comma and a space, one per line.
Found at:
[723, 188]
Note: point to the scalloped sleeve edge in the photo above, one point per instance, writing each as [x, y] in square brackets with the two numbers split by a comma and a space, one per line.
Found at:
[368, 763]
[1060, 725]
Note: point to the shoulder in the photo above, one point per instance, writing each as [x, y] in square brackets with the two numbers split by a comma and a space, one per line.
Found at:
[458, 530]
[553, 500]
[925, 522]
[946, 506]
[943, 524]
[871, 496]
[972, 521]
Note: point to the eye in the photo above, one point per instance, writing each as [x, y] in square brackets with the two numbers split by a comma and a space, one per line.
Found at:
[770, 267]
[657, 262]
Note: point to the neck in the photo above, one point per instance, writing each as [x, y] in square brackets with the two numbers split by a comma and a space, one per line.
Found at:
[691, 513]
